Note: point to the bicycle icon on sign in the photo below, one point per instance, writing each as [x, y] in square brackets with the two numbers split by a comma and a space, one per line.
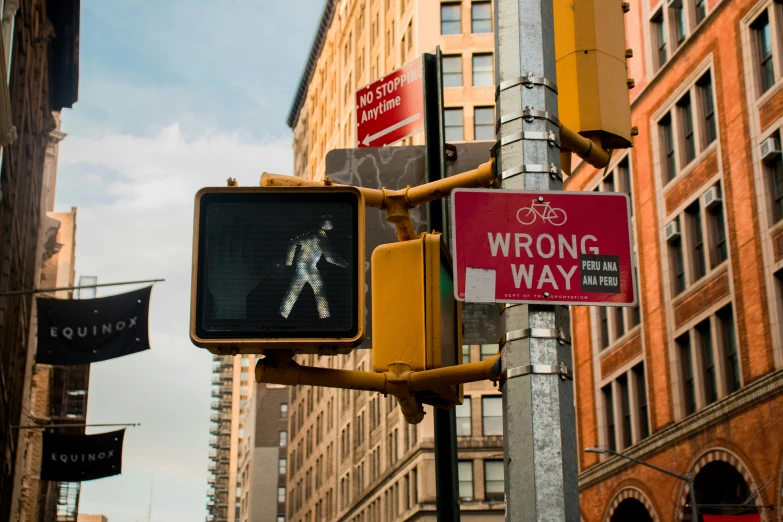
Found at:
[548, 214]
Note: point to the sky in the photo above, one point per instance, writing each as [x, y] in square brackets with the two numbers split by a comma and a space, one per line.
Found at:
[174, 95]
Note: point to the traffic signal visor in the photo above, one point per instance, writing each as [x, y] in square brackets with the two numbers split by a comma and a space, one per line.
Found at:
[278, 268]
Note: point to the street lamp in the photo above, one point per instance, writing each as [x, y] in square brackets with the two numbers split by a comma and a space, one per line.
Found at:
[687, 478]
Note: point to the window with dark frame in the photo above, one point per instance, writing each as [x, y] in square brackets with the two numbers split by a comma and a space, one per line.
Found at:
[641, 398]
[465, 353]
[685, 110]
[603, 319]
[678, 264]
[465, 479]
[480, 17]
[283, 414]
[709, 371]
[625, 410]
[450, 19]
[730, 355]
[775, 169]
[680, 28]
[701, 10]
[688, 376]
[606, 393]
[667, 139]
[484, 123]
[659, 30]
[452, 71]
[462, 414]
[492, 415]
[720, 250]
[494, 488]
[704, 86]
[761, 30]
[453, 124]
[698, 260]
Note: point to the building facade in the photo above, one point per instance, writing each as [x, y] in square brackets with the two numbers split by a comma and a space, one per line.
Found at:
[690, 380]
[351, 455]
[233, 423]
[41, 53]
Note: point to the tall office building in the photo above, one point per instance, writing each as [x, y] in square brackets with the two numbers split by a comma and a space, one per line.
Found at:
[233, 418]
[691, 379]
[351, 454]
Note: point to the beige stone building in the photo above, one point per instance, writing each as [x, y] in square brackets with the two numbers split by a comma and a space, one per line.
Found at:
[351, 456]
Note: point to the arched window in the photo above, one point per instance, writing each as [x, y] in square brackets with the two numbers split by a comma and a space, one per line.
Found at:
[721, 490]
[630, 510]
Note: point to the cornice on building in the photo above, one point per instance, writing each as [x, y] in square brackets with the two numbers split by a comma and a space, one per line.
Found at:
[763, 389]
[327, 14]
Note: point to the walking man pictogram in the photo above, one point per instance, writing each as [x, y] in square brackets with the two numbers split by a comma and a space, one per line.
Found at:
[306, 250]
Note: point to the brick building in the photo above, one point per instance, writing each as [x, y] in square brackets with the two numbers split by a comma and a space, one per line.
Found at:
[691, 379]
[40, 49]
[351, 455]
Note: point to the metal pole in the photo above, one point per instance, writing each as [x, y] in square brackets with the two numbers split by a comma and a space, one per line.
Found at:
[47, 426]
[538, 410]
[694, 509]
[446, 482]
[63, 288]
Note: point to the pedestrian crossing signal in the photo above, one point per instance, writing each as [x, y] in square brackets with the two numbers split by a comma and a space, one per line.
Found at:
[278, 268]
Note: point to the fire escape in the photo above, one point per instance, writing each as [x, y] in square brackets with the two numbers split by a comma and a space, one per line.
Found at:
[220, 442]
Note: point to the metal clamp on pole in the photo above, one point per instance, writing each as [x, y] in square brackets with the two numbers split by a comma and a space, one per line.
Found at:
[529, 80]
[536, 333]
[547, 136]
[529, 114]
[539, 369]
[550, 169]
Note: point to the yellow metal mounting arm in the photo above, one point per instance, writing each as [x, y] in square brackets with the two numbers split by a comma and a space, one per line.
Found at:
[397, 203]
[398, 381]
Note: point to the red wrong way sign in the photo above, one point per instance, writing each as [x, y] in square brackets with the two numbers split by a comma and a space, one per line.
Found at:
[571, 248]
[391, 108]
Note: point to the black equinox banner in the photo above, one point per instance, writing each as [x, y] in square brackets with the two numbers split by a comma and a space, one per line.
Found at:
[83, 331]
[74, 458]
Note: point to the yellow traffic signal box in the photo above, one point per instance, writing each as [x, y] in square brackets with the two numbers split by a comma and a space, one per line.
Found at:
[592, 76]
[278, 269]
[416, 320]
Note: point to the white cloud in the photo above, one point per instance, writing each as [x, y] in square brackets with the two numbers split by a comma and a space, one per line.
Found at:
[135, 199]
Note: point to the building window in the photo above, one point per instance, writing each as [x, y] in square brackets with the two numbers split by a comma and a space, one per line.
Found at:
[489, 350]
[452, 71]
[281, 494]
[282, 466]
[283, 439]
[463, 418]
[686, 122]
[678, 265]
[608, 397]
[493, 480]
[492, 415]
[667, 138]
[465, 353]
[774, 167]
[659, 33]
[680, 28]
[763, 37]
[283, 410]
[450, 19]
[603, 319]
[641, 398]
[730, 356]
[483, 123]
[699, 265]
[280, 518]
[625, 410]
[686, 367]
[453, 124]
[701, 10]
[709, 372]
[465, 477]
[480, 17]
[482, 70]
[720, 250]
[704, 86]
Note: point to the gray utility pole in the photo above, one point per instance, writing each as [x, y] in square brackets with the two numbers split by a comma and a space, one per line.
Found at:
[539, 424]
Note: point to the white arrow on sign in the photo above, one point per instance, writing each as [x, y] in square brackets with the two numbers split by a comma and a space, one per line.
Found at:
[370, 138]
